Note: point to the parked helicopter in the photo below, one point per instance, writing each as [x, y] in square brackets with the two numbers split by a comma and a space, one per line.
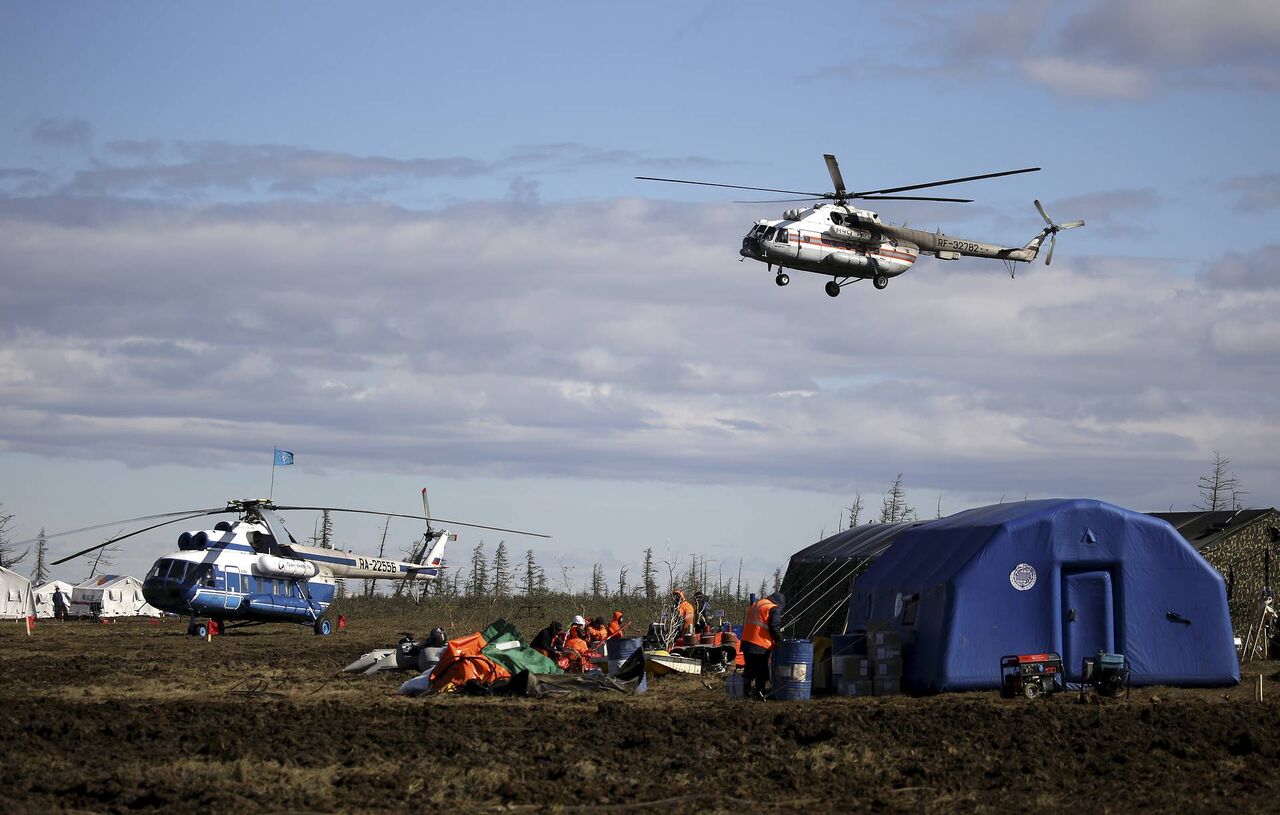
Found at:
[252, 570]
[851, 244]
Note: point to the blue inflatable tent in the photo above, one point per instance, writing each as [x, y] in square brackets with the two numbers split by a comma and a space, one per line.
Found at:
[1067, 575]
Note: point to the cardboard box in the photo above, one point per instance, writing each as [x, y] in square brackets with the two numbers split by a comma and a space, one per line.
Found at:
[851, 667]
[886, 686]
[887, 652]
[887, 668]
[862, 687]
[887, 637]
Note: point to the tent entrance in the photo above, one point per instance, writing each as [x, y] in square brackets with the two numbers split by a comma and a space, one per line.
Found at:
[1088, 618]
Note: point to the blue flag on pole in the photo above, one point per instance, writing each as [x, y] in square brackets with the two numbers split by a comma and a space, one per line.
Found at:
[283, 458]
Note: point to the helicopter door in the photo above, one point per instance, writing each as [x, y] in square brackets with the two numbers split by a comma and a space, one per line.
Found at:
[233, 587]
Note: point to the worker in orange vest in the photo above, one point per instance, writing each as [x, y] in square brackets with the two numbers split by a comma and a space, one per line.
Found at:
[576, 639]
[596, 632]
[684, 613]
[761, 632]
[615, 627]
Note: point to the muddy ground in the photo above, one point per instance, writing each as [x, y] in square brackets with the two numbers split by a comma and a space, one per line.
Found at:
[139, 717]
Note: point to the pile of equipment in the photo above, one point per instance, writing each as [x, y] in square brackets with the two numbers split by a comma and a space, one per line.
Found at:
[867, 663]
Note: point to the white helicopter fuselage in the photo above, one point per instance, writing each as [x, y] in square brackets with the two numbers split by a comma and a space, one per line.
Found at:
[238, 571]
[829, 240]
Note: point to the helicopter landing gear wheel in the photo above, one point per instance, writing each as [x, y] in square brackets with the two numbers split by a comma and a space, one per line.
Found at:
[782, 279]
[202, 630]
[323, 627]
[832, 288]
[880, 281]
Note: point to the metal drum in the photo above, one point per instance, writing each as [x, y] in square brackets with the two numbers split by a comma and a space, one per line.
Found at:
[617, 651]
[793, 670]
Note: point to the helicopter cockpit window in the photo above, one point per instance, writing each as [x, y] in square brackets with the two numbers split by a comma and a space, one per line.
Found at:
[782, 236]
[769, 233]
[203, 575]
[837, 218]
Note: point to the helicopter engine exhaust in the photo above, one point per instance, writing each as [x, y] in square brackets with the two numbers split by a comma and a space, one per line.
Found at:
[287, 567]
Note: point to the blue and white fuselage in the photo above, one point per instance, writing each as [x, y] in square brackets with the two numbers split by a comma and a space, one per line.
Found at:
[239, 571]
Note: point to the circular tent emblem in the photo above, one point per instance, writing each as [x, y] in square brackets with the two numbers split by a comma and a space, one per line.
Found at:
[1023, 576]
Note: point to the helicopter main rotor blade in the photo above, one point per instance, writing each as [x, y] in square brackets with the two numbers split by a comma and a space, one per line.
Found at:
[732, 186]
[126, 522]
[944, 183]
[912, 198]
[416, 517]
[119, 538]
[777, 201]
[833, 167]
[1070, 224]
[1053, 241]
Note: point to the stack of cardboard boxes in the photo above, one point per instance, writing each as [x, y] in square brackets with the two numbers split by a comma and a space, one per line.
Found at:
[867, 663]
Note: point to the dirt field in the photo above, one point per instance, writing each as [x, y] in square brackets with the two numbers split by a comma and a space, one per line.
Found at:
[136, 716]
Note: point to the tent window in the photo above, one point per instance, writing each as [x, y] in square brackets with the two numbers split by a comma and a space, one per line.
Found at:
[909, 608]
[114, 594]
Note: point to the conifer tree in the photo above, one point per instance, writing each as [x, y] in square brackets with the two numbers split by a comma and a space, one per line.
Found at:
[501, 571]
[478, 584]
[650, 576]
[40, 574]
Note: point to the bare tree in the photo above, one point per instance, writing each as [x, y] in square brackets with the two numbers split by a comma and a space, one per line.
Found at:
[855, 510]
[1219, 488]
[622, 581]
[777, 579]
[8, 550]
[104, 561]
[939, 513]
[370, 585]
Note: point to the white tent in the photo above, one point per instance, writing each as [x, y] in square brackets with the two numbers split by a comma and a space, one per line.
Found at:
[44, 597]
[15, 596]
[114, 596]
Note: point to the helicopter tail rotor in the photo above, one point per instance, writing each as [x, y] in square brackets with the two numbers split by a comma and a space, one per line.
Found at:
[1051, 230]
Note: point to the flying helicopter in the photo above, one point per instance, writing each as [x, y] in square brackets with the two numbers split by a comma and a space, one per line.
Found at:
[849, 244]
[252, 570]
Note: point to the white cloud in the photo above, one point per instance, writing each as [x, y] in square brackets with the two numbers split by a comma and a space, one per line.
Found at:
[608, 339]
[1078, 78]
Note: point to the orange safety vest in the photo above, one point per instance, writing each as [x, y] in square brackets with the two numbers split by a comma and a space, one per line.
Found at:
[615, 627]
[685, 610]
[596, 634]
[756, 628]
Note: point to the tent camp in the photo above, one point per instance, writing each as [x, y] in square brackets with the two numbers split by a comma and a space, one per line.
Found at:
[1071, 576]
[820, 576]
[15, 596]
[44, 597]
[113, 595]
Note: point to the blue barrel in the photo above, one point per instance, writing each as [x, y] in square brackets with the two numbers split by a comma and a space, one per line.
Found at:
[793, 670]
[617, 651]
[735, 686]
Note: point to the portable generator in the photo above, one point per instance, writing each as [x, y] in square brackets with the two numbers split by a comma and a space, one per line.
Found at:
[1107, 674]
[1031, 675]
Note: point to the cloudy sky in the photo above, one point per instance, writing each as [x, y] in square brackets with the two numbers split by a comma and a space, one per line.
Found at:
[404, 242]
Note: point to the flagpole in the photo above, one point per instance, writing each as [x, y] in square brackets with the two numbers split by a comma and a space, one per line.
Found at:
[272, 493]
